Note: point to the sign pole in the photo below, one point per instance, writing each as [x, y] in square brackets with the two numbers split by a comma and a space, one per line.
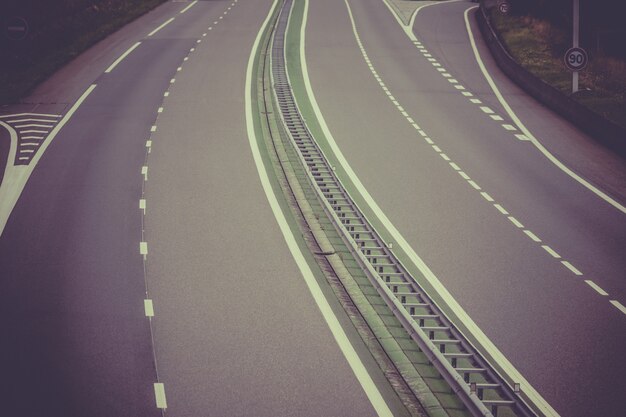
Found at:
[576, 19]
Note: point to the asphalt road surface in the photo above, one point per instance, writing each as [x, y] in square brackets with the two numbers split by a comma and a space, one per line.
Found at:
[233, 329]
[562, 335]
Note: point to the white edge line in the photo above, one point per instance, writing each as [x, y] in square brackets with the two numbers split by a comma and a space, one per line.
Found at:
[167, 22]
[188, 7]
[506, 366]
[124, 55]
[523, 128]
[342, 340]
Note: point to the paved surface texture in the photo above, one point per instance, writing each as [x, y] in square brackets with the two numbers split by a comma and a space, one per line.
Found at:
[235, 330]
[558, 331]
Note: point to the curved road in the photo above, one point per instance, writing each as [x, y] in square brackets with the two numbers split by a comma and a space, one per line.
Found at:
[122, 269]
[506, 270]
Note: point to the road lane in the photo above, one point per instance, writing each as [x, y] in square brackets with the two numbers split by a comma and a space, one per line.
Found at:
[236, 329]
[76, 340]
[458, 232]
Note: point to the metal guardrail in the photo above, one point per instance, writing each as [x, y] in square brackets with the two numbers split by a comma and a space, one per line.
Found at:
[482, 390]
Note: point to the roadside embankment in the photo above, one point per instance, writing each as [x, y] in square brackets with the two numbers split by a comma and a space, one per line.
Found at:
[525, 53]
[56, 33]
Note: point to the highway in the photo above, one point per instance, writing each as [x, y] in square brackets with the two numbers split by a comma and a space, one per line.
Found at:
[149, 266]
[559, 332]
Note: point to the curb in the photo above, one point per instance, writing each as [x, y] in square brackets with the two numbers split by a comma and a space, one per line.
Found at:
[599, 128]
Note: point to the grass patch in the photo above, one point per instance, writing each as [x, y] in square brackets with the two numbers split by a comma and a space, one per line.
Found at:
[539, 46]
[53, 43]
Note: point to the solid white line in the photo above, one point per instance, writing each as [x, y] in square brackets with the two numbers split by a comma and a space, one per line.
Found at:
[148, 307]
[510, 371]
[551, 251]
[31, 120]
[124, 55]
[159, 395]
[619, 305]
[532, 236]
[167, 22]
[189, 7]
[571, 268]
[339, 334]
[523, 128]
[30, 114]
[596, 287]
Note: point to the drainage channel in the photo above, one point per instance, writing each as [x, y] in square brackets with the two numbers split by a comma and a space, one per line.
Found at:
[483, 391]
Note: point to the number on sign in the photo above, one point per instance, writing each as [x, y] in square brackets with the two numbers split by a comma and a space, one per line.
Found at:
[576, 59]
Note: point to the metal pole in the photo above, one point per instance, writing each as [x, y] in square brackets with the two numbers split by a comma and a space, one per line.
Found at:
[576, 19]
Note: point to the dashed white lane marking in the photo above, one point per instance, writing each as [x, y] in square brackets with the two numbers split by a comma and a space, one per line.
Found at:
[124, 55]
[173, 80]
[619, 306]
[455, 166]
[501, 209]
[144, 172]
[474, 185]
[525, 130]
[487, 197]
[475, 100]
[508, 368]
[464, 175]
[509, 127]
[189, 7]
[496, 117]
[444, 156]
[551, 251]
[153, 128]
[148, 307]
[571, 268]
[149, 145]
[532, 236]
[521, 136]
[142, 205]
[486, 109]
[160, 110]
[436, 148]
[143, 248]
[596, 287]
[167, 22]
[516, 222]
[159, 395]
[166, 94]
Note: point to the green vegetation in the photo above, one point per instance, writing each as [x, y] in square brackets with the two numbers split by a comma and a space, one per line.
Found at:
[539, 45]
[58, 32]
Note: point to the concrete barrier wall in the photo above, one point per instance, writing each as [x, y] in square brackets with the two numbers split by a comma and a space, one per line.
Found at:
[601, 129]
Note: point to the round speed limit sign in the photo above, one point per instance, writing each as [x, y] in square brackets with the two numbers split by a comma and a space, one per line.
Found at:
[504, 7]
[576, 59]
